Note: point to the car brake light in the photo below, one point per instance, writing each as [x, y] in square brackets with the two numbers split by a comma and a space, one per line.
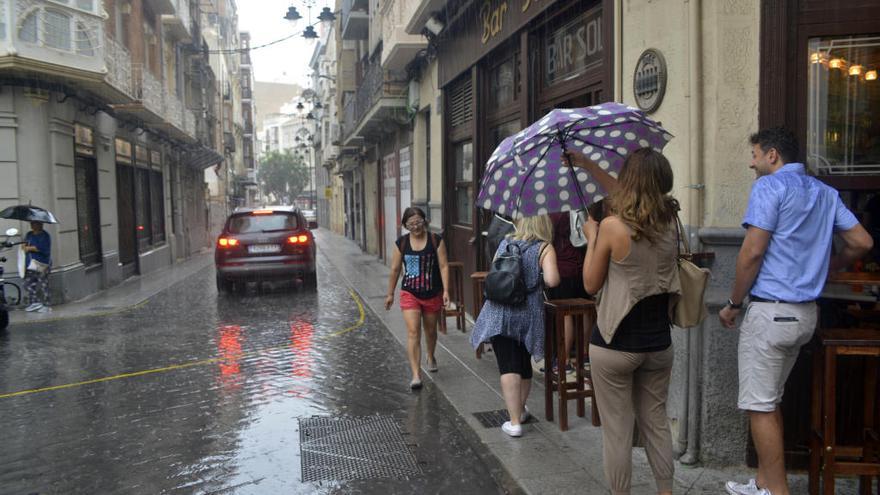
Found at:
[298, 239]
[262, 212]
[227, 242]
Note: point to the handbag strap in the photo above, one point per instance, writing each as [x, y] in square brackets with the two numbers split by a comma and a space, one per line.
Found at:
[679, 228]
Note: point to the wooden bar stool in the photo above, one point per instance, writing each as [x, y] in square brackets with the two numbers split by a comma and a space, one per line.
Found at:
[478, 278]
[456, 296]
[583, 311]
[827, 458]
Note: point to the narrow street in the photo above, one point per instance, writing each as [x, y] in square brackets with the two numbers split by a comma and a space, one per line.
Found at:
[272, 391]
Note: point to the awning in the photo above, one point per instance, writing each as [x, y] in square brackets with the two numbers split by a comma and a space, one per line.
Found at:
[201, 158]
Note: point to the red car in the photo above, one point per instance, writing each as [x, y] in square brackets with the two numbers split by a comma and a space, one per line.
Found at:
[269, 243]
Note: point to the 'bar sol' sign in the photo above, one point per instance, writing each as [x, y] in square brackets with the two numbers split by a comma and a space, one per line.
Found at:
[575, 47]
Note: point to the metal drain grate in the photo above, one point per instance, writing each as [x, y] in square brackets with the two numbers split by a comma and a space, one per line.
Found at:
[494, 419]
[354, 449]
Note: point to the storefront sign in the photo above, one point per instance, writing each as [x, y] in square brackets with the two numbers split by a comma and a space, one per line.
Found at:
[485, 25]
[649, 80]
[574, 48]
[493, 15]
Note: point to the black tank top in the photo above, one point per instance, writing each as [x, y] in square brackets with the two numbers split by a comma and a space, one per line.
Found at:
[421, 269]
[646, 328]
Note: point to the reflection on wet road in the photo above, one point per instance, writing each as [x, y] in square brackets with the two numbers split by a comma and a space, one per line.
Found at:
[195, 393]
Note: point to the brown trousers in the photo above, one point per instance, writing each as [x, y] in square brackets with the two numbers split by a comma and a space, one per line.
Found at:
[631, 388]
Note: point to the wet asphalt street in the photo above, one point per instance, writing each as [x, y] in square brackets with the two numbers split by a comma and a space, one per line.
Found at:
[198, 393]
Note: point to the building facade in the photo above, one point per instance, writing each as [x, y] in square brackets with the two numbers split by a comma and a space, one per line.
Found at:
[102, 126]
[249, 191]
[423, 110]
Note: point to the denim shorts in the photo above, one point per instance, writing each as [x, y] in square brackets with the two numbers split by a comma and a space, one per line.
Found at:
[770, 338]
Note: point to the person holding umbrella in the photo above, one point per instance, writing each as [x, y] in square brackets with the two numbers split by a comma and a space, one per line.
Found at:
[38, 252]
[632, 258]
[38, 246]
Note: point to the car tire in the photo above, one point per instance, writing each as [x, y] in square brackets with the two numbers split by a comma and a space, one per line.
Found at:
[4, 319]
[310, 280]
[224, 286]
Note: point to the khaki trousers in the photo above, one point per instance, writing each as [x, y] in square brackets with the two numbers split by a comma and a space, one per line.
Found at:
[631, 388]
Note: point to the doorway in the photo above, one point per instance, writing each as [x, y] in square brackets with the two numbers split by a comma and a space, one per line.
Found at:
[128, 253]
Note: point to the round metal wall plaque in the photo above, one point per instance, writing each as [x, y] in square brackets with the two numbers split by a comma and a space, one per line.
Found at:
[649, 80]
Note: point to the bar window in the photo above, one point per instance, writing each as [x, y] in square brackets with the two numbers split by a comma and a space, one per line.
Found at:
[464, 182]
[843, 131]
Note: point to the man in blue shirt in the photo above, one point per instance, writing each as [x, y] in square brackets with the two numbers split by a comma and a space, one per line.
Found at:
[38, 246]
[782, 265]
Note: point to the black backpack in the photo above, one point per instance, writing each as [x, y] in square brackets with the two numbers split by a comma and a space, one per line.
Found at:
[505, 282]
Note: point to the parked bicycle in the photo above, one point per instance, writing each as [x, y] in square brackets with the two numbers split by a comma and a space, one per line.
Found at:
[12, 239]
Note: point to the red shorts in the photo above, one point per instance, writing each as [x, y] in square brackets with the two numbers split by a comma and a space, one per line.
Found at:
[409, 301]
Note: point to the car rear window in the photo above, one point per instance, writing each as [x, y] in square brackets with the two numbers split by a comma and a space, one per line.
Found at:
[250, 223]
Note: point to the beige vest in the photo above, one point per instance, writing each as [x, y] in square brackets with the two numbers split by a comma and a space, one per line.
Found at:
[648, 270]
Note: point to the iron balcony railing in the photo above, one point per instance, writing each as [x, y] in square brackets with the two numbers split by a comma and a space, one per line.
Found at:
[378, 83]
[174, 111]
[189, 122]
[118, 62]
[147, 89]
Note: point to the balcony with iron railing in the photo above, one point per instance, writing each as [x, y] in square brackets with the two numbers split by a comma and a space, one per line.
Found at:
[380, 97]
[355, 20]
[147, 90]
[179, 23]
[118, 65]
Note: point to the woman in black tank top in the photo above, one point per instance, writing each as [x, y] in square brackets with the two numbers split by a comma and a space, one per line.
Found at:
[421, 256]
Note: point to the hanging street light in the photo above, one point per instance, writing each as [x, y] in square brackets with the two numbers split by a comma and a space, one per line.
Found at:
[292, 14]
[309, 33]
[326, 15]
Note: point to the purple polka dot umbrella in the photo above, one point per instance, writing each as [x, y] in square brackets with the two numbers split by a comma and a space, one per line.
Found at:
[527, 176]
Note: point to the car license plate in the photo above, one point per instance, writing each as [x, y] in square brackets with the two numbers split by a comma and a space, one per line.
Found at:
[264, 248]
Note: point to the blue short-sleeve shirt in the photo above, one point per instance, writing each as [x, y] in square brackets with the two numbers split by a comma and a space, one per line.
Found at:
[802, 213]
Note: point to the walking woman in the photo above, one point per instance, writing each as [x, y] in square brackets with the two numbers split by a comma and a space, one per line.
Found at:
[517, 332]
[422, 257]
[631, 257]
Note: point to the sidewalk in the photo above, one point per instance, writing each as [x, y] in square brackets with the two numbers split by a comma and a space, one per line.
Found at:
[129, 294]
[544, 460]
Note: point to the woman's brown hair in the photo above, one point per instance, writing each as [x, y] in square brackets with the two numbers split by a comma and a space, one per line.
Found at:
[642, 198]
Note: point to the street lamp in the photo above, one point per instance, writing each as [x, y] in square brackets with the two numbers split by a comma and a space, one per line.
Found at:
[309, 32]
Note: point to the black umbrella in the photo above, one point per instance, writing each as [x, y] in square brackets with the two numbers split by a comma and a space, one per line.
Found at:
[28, 213]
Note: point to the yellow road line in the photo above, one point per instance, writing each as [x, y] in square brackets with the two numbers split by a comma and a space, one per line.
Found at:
[358, 324]
[361, 318]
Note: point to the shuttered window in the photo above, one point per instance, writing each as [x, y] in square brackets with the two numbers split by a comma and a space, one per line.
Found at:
[460, 102]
